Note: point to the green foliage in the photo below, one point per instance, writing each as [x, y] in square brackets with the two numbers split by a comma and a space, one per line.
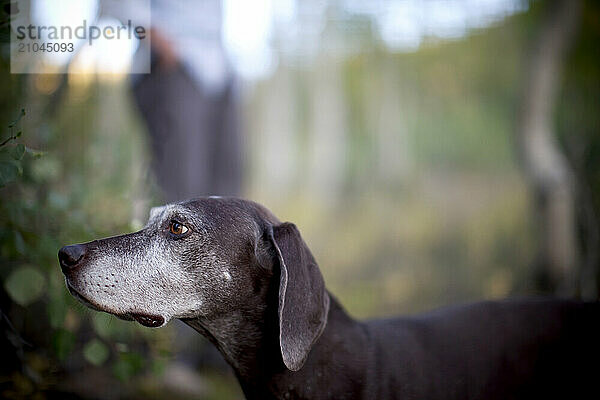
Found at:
[127, 365]
[57, 307]
[10, 170]
[102, 325]
[48, 199]
[10, 155]
[96, 352]
[43, 207]
[25, 285]
[63, 342]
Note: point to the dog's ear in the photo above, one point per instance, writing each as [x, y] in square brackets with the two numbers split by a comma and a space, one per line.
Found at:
[303, 300]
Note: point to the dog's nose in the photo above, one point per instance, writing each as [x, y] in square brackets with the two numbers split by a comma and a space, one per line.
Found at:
[69, 256]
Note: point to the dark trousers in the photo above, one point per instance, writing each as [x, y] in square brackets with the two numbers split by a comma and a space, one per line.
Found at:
[196, 142]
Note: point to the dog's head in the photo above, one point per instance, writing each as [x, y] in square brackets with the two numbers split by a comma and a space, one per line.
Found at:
[204, 258]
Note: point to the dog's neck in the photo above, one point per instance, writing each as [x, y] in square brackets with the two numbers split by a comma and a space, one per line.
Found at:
[250, 344]
[237, 336]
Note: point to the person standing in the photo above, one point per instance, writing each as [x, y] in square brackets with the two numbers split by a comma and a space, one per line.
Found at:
[189, 100]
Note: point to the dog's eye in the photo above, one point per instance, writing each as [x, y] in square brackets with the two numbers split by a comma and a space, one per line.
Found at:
[177, 229]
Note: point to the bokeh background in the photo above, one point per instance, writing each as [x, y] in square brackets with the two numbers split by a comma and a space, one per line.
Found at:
[431, 153]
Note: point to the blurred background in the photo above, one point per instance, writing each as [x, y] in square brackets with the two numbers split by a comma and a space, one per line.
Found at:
[431, 153]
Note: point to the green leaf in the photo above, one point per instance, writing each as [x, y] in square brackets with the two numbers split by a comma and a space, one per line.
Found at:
[9, 172]
[45, 169]
[102, 324]
[5, 155]
[18, 151]
[62, 342]
[25, 285]
[20, 245]
[128, 365]
[158, 367]
[14, 123]
[57, 310]
[95, 352]
[34, 153]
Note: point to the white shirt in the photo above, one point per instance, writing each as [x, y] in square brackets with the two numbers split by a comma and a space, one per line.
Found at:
[193, 27]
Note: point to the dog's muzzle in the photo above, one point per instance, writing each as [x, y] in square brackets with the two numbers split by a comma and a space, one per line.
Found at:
[71, 257]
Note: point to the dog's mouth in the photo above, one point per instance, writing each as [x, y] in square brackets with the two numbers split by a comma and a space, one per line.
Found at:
[151, 321]
[148, 320]
[83, 299]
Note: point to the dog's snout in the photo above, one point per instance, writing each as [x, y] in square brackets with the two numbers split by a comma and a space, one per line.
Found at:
[69, 256]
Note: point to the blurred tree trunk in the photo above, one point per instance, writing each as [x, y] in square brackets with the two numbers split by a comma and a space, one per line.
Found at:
[546, 167]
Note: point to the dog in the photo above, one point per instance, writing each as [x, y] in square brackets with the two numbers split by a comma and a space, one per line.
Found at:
[232, 271]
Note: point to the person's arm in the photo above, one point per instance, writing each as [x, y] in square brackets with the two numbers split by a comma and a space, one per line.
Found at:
[135, 11]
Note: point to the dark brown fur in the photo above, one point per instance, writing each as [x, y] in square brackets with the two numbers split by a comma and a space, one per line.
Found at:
[286, 336]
